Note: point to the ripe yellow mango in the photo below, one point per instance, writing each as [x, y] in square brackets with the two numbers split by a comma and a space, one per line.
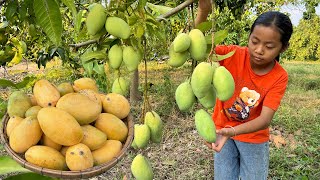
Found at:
[141, 135]
[96, 19]
[45, 93]
[115, 56]
[12, 123]
[177, 59]
[181, 43]
[184, 96]
[223, 83]
[18, 103]
[109, 151]
[116, 104]
[117, 27]
[45, 140]
[198, 45]
[201, 79]
[131, 58]
[141, 168]
[155, 124]
[85, 83]
[205, 126]
[65, 88]
[79, 157]
[93, 137]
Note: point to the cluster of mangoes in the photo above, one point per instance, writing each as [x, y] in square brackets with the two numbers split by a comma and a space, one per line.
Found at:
[67, 127]
[208, 80]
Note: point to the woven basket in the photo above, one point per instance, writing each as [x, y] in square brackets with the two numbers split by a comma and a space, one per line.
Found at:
[90, 172]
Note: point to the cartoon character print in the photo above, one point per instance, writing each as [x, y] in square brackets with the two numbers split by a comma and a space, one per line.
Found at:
[247, 100]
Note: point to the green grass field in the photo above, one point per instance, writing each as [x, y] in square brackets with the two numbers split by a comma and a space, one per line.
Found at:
[294, 145]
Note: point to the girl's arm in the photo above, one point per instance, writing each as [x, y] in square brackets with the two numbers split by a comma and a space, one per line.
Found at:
[204, 8]
[261, 122]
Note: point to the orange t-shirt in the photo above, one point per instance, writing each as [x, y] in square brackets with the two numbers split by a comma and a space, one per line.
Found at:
[252, 91]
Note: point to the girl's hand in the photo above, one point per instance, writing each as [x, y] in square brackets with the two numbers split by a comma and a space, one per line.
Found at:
[222, 136]
[205, 5]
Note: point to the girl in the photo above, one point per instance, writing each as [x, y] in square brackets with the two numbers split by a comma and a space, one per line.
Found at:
[242, 148]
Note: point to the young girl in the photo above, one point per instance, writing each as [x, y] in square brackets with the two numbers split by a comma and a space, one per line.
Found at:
[242, 148]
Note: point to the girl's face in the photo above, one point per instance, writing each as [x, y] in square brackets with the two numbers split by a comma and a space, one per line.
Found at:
[264, 46]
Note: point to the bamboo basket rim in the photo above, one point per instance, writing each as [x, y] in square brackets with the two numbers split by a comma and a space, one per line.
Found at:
[87, 173]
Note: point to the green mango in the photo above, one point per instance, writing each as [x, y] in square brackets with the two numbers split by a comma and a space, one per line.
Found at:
[96, 19]
[205, 126]
[131, 58]
[141, 135]
[223, 83]
[141, 168]
[115, 56]
[120, 86]
[18, 104]
[184, 96]
[209, 100]
[33, 111]
[177, 59]
[155, 124]
[201, 79]
[117, 27]
[181, 43]
[198, 45]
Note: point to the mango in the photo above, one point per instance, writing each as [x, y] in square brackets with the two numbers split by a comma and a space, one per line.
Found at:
[33, 111]
[177, 59]
[81, 107]
[26, 134]
[45, 93]
[85, 83]
[181, 43]
[79, 157]
[65, 88]
[205, 126]
[223, 83]
[198, 45]
[111, 125]
[131, 58]
[141, 135]
[184, 96]
[209, 100]
[109, 151]
[18, 103]
[116, 104]
[120, 86]
[96, 19]
[46, 157]
[12, 123]
[115, 56]
[93, 137]
[201, 79]
[60, 126]
[92, 95]
[155, 124]
[117, 27]
[141, 168]
[45, 140]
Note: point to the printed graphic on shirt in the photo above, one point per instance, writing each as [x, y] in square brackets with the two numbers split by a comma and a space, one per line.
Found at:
[247, 100]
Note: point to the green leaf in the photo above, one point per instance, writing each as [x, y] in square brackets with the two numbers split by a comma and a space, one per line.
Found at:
[219, 36]
[78, 21]
[7, 83]
[72, 7]
[204, 26]
[217, 57]
[142, 4]
[9, 165]
[93, 55]
[98, 68]
[48, 16]
[23, 11]
[25, 82]
[11, 9]
[158, 8]
[88, 67]
[29, 176]
[1, 146]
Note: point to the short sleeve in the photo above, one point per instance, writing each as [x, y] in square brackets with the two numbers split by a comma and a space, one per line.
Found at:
[223, 49]
[276, 93]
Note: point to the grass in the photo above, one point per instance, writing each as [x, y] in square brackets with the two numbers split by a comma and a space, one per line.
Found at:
[182, 154]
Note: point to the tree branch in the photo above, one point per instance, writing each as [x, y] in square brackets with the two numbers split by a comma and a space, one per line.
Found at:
[175, 10]
[84, 43]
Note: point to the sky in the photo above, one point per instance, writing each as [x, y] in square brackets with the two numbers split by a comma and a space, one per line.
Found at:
[296, 12]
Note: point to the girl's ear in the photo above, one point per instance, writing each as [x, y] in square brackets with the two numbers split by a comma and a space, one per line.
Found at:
[285, 47]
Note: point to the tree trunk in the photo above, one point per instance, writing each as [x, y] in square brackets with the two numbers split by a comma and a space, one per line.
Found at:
[134, 93]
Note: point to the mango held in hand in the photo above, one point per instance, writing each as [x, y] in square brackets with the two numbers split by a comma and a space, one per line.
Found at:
[141, 135]
[201, 79]
[153, 120]
[184, 96]
[18, 104]
[198, 45]
[117, 27]
[131, 58]
[141, 168]
[115, 56]
[205, 126]
[223, 82]
[45, 93]
[177, 59]
[181, 43]
[120, 86]
[96, 19]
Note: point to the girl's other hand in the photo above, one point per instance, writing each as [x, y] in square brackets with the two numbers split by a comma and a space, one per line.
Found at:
[222, 136]
[205, 5]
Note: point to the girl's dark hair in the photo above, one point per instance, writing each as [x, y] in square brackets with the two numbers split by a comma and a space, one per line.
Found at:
[279, 20]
